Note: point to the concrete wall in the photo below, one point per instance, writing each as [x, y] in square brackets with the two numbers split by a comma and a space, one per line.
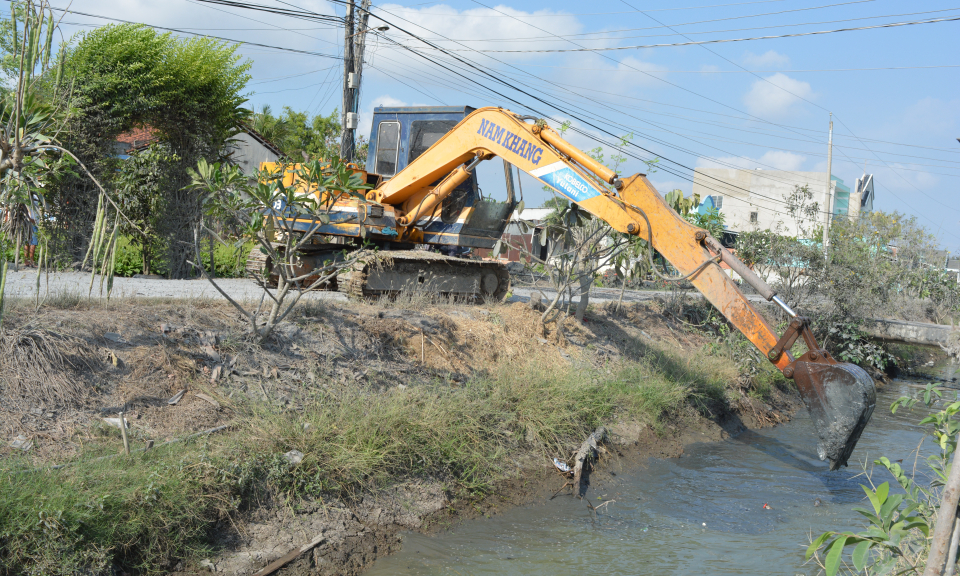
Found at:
[910, 332]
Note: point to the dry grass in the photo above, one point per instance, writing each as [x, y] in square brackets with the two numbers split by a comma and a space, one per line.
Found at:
[40, 366]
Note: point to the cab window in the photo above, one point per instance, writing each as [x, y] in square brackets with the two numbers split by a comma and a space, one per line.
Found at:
[388, 148]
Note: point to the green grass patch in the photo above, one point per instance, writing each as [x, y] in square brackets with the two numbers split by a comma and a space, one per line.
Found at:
[145, 512]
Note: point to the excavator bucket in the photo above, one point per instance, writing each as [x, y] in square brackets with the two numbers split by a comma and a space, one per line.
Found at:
[840, 397]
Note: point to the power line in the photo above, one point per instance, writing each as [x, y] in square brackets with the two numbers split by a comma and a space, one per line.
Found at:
[666, 169]
[741, 129]
[278, 78]
[261, 22]
[182, 31]
[605, 34]
[599, 13]
[293, 89]
[540, 99]
[697, 42]
[503, 95]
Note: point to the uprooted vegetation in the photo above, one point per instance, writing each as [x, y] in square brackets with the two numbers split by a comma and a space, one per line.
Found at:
[345, 402]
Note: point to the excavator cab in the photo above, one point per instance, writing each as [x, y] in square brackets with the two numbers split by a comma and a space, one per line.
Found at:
[468, 218]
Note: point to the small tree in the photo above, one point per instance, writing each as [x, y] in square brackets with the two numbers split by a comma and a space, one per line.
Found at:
[264, 213]
[794, 267]
[141, 185]
[803, 210]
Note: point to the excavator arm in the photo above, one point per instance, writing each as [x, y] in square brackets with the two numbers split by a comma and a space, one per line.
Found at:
[839, 396]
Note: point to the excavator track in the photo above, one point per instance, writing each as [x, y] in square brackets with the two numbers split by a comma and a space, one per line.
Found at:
[394, 272]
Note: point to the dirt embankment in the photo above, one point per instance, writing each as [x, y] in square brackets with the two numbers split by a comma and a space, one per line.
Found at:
[136, 355]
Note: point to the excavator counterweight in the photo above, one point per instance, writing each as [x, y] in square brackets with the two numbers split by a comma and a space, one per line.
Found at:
[423, 163]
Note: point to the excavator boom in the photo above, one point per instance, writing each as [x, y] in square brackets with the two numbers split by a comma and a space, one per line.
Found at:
[839, 396]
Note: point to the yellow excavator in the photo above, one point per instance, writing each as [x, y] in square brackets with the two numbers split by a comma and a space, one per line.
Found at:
[422, 165]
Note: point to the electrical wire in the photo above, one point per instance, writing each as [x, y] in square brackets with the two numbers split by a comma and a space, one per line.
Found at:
[605, 34]
[698, 42]
[610, 13]
[182, 31]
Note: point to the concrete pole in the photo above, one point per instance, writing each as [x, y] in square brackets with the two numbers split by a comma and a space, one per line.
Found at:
[359, 44]
[346, 138]
[828, 196]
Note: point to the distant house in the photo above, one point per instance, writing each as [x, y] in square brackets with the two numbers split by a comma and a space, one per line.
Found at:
[515, 236]
[136, 139]
[247, 149]
[865, 189]
[953, 266]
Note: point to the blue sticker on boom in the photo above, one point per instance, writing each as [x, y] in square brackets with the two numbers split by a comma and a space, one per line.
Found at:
[566, 181]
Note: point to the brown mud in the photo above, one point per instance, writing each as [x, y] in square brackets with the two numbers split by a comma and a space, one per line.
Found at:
[140, 354]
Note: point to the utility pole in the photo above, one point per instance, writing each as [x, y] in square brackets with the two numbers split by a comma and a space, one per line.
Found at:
[361, 36]
[828, 198]
[349, 117]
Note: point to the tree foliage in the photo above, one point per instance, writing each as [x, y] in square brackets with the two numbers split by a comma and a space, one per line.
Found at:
[141, 185]
[189, 91]
[130, 75]
[878, 266]
[296, 134]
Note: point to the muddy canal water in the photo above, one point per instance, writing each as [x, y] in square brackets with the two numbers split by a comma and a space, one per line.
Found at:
[696, 515]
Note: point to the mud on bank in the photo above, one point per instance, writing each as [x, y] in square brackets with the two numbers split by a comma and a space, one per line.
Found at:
[355, 421]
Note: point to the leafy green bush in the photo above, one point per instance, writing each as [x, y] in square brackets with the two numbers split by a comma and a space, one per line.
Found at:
[229, 261]
[850, 343]
[129, 258]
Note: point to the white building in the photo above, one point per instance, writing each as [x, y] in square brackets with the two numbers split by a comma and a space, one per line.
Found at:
[757, 199]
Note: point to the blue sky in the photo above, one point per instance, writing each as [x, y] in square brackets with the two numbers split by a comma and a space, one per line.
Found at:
[752, 104]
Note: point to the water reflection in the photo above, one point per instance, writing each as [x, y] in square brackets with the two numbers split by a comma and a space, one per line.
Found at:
[700, 514]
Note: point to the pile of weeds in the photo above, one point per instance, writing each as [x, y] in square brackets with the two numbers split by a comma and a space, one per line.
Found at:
[145, 512]
[42, 366]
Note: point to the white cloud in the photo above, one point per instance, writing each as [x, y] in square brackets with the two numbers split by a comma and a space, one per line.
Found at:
[769, 59]
[499, 28]
[623, 77]
[770, 160]
[776, 96]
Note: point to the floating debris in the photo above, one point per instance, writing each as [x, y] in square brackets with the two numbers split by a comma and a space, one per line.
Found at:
[562, 466]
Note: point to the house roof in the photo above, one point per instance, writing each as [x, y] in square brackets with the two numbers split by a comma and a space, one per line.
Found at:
[261, 139]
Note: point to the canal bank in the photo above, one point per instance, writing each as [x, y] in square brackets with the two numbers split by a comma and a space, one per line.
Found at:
[744, 505]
